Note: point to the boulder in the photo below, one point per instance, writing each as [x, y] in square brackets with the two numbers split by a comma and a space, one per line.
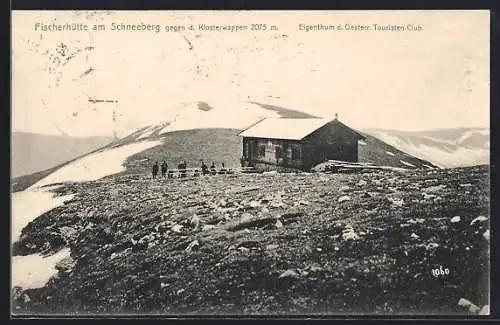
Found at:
[344, 198]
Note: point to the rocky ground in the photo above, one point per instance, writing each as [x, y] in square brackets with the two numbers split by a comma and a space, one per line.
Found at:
[267, 244]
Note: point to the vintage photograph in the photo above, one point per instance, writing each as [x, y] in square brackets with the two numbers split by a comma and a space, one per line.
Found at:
[250, 163]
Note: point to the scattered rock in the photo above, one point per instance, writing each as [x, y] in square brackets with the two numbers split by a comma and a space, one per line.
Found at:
[414, 236]
[272, 247]
[478, 219]
[344, 188]
[436, 188]
[193, 244]
[289, 274]
[474, 309]
[396, 202]
[207, 227]
[485, 310]
[344, 198]
[254, 204]
[462, 302]
[176, 228]
[249, 221]
[362, 183]
[277, 203]
[194, 221]
[455, 219]
[349, 234]
[431, 246]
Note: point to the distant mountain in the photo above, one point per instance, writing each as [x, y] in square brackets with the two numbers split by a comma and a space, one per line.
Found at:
[446, 148]
[33, 152]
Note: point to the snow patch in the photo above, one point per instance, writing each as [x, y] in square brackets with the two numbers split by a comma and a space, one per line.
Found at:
[361, 142]
[29, 204]
[407, 163]
[389, 153]
[189, 116]
[34, 271]
[96, 165]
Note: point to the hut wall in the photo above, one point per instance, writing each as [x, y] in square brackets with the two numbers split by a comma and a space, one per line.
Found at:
[284, 153]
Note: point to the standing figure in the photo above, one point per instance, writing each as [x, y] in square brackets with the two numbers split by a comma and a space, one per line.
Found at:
[155, 169]
[223, 169]
[164, 168]
[213, 170]
[204, 168]
[242, 161]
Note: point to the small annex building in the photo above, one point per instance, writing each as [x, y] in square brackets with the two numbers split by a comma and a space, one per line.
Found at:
[298, 143]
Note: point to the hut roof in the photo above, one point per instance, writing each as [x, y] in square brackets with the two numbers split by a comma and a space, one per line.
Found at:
[287, 128]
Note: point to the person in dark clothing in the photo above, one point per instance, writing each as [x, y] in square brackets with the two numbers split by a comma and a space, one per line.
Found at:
[155, 169]
[213, 170]
[243, 161]
[223, 169]
[164, 168]
[204, 168]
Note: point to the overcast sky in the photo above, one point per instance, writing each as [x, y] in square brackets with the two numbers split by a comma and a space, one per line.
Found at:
[407, 80]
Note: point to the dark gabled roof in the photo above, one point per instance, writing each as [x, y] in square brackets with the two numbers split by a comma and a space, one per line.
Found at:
[289, 128]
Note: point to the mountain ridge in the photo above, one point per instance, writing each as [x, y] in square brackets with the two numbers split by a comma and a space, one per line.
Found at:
[386, 147]
[33, 152]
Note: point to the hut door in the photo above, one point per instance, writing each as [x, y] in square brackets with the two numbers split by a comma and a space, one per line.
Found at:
[335, 152]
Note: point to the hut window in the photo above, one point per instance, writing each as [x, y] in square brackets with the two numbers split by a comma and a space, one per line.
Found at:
[278, 152]
[262, 150]
[295, 153]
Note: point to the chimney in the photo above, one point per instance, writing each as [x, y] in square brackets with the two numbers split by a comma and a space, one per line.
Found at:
[336, 116]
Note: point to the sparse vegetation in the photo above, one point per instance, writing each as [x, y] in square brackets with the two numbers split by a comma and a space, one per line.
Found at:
[266, 243]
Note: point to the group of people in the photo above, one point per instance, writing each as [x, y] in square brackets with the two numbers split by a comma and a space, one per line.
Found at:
[156, 168]
[182, 168]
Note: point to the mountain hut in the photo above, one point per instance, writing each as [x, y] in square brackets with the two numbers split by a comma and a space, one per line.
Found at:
[288, 144]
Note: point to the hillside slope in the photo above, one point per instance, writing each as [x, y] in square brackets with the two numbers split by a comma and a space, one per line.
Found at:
[265, 244]
[37, 152]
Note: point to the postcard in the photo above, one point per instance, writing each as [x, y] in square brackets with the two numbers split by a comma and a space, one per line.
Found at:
[200, 163]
